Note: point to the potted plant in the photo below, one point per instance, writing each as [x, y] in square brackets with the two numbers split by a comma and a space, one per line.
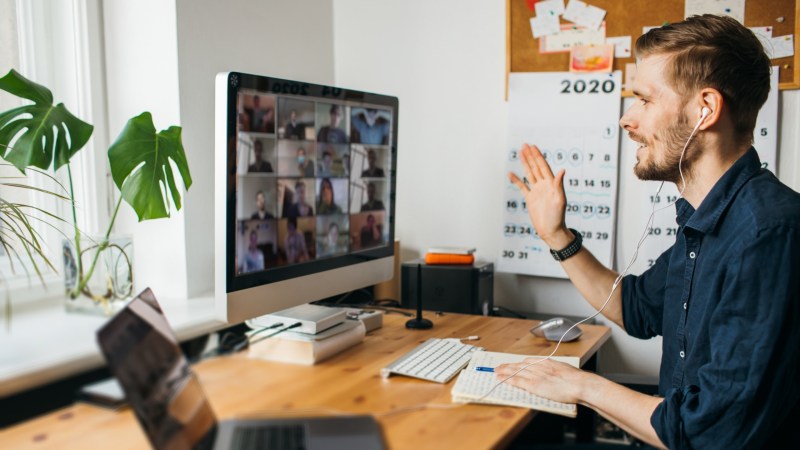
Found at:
[42, 135]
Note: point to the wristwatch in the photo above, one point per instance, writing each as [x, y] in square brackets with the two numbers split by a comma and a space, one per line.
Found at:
[569, 250]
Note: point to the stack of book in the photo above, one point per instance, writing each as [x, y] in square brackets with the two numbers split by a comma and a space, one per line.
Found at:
[450, 255]
[330, 333]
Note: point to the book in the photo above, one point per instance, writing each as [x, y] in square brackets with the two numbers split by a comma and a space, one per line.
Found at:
[452, 250]
[309, 349]
[314, 318]
[449, 258]
[473, 385]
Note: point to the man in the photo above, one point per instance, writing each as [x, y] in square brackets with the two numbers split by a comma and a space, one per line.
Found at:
[371, 233]
[726, 296]
[259, 165]
[372, 204]
[371, 126]
[332, 133]
[372, 170]
[325, 168]
[293, 129]
[304, 165]
[299, 208]
[261, 212]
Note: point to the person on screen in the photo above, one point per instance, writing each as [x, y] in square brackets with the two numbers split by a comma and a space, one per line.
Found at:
[725, 297]
[293, 129]
[261, 208]
[372, 170]
[326, 204]
[371, 127]
[263, 118]
[332, 133]
[371, 233]
[254, 258]
[326, 164]
[372, 204]
[304, 164]
[346, 163]
[330, 243]
[295, 243]
[300, 208]
[259, 165]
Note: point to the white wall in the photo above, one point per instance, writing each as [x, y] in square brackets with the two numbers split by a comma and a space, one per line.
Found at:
[445, 61]
[162, 56]
[278, 38]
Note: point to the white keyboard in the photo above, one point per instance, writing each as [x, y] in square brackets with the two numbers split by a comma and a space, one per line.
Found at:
[436, 360]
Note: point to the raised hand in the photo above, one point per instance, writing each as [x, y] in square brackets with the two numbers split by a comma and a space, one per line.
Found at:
[544, 197]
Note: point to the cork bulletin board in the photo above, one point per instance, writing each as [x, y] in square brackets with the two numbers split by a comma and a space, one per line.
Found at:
[627, 18]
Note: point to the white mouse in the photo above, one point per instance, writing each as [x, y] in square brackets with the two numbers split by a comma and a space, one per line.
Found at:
[554, 328]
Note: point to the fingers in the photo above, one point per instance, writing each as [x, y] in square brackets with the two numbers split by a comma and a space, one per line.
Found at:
[533, 159]
[517, 181]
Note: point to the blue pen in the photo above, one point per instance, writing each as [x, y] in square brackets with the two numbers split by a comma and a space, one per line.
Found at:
[485, 369]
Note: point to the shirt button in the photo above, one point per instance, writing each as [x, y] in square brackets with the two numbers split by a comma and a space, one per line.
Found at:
[682, 354]
[685, 306]
[692, 255]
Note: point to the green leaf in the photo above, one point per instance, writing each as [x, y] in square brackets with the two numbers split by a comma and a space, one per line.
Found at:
[140, 165]
[43, 131]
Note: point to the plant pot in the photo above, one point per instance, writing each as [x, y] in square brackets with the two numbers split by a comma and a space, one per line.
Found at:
[110, 282]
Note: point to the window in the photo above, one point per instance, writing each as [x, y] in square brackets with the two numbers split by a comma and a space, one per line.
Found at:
[58, 45]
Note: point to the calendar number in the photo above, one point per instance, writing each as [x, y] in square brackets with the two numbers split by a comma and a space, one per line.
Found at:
[590, 87]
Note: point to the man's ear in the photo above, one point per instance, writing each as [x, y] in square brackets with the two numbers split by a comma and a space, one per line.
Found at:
[711, 100]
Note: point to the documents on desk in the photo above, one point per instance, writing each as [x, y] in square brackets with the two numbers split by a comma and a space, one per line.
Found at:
[472, 384]
[309, 349]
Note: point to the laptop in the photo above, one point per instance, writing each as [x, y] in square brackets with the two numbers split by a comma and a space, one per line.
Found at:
[144, 355]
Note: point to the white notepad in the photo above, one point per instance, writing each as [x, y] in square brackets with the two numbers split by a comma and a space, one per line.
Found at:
[473, 384]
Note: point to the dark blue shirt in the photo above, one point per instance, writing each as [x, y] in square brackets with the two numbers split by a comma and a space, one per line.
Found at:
[726, 299]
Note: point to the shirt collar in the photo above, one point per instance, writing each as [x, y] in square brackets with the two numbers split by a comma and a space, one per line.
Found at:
[705, 218]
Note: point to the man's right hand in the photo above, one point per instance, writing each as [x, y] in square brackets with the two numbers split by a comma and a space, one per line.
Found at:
[544, 197]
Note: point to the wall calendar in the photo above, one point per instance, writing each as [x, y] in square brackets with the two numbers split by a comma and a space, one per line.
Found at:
[574, 120]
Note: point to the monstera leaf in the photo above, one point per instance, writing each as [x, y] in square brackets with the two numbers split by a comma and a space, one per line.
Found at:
[140, 165]
[43, 131]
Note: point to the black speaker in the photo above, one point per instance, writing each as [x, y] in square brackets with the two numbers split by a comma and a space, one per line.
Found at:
[449, 288]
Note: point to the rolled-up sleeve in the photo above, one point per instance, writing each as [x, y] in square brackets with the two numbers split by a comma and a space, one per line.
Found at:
[643, 299]
[751, 382]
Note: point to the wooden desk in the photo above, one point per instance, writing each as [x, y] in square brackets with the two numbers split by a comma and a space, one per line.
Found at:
[349, 382]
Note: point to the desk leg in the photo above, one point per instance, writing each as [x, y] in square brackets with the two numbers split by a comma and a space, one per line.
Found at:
[585, 422]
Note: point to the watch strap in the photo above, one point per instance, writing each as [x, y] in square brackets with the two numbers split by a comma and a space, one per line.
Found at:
[571, 249]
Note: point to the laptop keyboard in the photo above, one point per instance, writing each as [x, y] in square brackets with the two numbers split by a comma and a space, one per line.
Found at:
[282, 437]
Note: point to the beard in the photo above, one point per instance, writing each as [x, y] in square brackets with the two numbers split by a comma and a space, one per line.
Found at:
[672, 140]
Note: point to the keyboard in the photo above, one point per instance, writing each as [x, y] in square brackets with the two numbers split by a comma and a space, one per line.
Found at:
[290, 437]
[436, 360]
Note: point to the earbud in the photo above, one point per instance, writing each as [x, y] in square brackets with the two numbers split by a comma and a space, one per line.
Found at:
[704, 112]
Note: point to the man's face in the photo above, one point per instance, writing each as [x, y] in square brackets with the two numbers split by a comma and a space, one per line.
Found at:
[658, 122]
[301, 193]
[327, 160]
[371, 192]
[371, 158]
[260, 202]
[336, 117]
[258, 150]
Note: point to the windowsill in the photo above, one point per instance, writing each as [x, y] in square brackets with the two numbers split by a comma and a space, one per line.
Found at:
[45, 343]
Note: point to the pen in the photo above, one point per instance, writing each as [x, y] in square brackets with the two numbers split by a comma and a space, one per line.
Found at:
[485, 369]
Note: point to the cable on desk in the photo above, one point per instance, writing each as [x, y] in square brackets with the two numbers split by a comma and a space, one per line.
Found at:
[230, 342]
[294, 325]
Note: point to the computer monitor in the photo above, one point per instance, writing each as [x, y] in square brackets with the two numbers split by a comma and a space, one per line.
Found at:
[305, 192]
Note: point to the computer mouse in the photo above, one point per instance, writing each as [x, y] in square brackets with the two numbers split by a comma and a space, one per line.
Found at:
[554, 328]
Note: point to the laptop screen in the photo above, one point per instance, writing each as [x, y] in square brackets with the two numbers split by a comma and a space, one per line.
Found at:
[142, 352]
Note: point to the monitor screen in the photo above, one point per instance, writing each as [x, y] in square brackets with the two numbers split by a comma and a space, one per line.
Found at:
[309, 179]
